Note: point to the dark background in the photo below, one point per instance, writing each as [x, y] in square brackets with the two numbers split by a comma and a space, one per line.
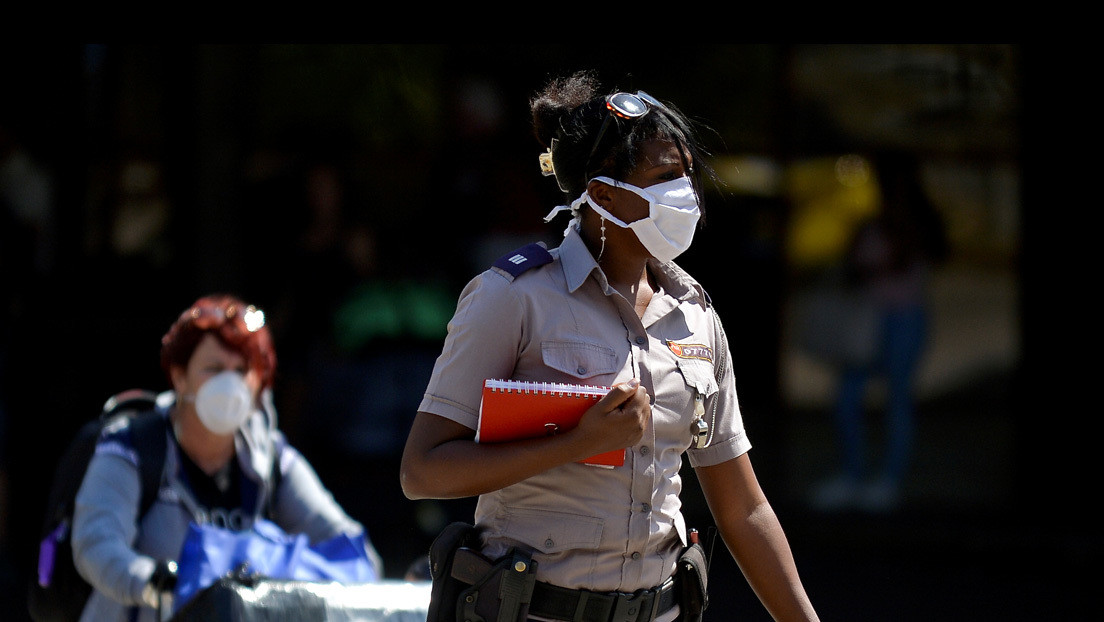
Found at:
[174, 171]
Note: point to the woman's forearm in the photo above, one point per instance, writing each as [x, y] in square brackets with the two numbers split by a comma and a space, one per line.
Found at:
[464, 468]
[755, 538]
[442, 460]
[104, 523]
[763, 553]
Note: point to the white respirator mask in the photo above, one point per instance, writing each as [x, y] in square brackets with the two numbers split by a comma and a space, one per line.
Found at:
[673, 215]
[224, 402]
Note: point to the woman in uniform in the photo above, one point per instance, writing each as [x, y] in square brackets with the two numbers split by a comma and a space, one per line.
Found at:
[608, 307]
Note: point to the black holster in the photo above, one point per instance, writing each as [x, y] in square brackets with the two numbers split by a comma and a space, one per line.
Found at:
[468, 587]
[445, 590]
[693, 581]
[499, 590]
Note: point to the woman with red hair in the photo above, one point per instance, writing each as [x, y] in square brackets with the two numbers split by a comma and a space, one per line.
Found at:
[226, 464]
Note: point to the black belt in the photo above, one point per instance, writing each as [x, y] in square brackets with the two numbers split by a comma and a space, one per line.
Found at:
[551, 601]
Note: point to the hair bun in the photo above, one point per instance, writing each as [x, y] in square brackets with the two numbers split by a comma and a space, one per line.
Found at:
[559, 98]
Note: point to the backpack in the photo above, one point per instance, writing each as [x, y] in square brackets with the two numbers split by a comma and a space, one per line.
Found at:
[56, 591]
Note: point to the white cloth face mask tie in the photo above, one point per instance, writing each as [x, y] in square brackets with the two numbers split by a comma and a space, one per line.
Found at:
[673, 215]
[224, 402]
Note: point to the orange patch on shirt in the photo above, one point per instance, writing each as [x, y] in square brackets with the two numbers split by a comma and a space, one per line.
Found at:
[691, 350]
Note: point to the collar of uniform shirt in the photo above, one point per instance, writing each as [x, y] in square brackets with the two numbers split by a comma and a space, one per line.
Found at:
[578, 264]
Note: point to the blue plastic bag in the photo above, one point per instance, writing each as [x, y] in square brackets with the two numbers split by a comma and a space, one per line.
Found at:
[210, 552]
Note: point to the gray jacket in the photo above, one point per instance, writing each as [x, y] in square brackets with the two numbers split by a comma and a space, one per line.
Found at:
[116, 554]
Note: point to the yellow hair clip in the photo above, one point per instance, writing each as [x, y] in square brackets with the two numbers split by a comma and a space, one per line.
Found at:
[546, 163]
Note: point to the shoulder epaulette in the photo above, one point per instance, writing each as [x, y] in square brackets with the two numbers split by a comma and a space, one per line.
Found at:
[525, 258]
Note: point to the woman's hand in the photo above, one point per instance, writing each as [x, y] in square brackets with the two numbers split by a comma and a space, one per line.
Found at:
[442, 460]
[617, 421]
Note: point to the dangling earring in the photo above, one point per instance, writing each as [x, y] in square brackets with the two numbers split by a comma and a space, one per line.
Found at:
[603, 249]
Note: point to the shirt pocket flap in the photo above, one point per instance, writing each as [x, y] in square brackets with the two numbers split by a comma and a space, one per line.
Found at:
[553, 532]
[579, 358]
[699, 375]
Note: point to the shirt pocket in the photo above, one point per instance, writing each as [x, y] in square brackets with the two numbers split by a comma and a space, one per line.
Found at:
[699, 375]
[579, 359]
[701, 385]
[553, 532]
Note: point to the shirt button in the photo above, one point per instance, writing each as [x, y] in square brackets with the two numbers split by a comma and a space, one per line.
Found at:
[636, 555]
[641, 340]
[645, 507]
[549, 543]
[644, 451]
[581, 370]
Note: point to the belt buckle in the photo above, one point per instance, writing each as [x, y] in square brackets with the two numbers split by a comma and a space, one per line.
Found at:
[628, 607]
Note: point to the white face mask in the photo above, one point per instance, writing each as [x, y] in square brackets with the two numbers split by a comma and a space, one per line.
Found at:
[224, 402]
[672, 216]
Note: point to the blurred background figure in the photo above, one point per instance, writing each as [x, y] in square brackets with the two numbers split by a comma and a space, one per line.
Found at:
[883, 327]
[226, 464]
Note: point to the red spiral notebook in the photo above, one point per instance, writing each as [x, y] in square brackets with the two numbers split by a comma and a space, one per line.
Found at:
[517, 409]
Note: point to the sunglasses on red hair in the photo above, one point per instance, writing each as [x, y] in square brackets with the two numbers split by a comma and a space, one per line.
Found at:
[209, 316]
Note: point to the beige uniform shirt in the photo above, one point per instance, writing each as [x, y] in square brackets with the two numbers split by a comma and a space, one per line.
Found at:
[603, 529]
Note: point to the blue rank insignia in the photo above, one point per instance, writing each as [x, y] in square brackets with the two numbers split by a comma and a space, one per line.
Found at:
[524, 258]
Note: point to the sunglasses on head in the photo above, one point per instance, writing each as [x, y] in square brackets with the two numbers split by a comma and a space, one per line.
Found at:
[206, 317]
[625, 106]
[629, 106]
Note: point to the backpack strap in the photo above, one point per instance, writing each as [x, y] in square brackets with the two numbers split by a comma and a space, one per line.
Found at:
[148, 435]
[131, 401]
[275, 477]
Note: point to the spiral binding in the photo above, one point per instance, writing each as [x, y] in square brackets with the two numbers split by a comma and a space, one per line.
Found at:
[561, 389]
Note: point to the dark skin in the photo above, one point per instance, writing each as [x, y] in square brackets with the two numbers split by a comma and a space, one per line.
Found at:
[442, 459]
[624, 259]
